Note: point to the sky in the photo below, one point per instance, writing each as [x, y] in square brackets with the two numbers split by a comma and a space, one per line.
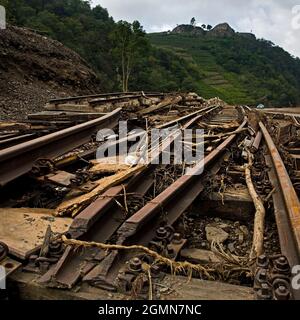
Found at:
[275, 20]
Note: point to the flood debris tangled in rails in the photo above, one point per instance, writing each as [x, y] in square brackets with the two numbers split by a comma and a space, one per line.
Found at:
[101, 211]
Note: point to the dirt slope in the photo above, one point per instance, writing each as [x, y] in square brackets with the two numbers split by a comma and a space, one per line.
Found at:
[34, 68]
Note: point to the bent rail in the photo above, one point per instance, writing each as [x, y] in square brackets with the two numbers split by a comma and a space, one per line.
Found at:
[19, 159]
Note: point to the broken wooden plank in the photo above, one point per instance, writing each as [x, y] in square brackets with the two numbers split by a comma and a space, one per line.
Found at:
[64, 115]
[71, 107]
[4, 126]
[165, 103]
[195, 289]
[74, 206]
[30, 289]
[23, 229]
[233, 203]
[171, 288]
[108, 168]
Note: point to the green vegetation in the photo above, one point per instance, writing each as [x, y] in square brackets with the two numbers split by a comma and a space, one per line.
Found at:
[238, 69]
[129, 46]
[93, 34]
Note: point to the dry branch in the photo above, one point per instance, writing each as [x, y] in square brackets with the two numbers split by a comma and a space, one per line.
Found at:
[75, 205]
[259, 221]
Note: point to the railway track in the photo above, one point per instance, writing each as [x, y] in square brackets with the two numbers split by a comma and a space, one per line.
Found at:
[199, 213]
[18, 160]
[94, 222]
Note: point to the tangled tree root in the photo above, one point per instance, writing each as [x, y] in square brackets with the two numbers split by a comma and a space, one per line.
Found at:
[221, 270]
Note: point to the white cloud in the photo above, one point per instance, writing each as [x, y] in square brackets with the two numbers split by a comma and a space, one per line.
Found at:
[269, 19]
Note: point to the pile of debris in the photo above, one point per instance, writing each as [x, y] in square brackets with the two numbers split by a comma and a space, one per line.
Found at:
[34, 69]
[208, 218]
[159, 108]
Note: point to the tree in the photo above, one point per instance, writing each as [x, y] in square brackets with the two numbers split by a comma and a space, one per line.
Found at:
[129, 41]
[100, 13]
[203, 26]
[193, 21]
[209, 27]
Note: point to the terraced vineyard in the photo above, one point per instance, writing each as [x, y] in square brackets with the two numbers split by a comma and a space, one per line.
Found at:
[222, 74]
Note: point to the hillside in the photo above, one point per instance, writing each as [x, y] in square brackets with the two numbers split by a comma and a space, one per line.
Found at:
[237, 67]
[34, 68]
[88, 30]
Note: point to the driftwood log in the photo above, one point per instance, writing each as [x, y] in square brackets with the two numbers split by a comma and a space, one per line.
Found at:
[259, 220]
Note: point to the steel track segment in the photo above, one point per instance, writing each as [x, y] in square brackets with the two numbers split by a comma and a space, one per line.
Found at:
[287, 190]
[286, 239]
[89, 216]
[177, 121]
[74, 264]
[286, 205]
[19, 159]
[106, 95]
[5, 143]
[93, 224]
[141, 227]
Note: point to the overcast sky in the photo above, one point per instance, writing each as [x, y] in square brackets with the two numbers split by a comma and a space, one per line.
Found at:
[270, 19]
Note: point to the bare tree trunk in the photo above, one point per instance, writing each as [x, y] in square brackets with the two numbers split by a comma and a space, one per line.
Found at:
[123, 68]
[127, 73]
[259, 221]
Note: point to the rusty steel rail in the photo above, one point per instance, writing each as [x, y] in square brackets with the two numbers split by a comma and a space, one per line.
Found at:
[107, 95]
[288, 206]
[86, 219]
[19, 159]
[100, 220]
[190, 115]
[141, 227]
[5, 143]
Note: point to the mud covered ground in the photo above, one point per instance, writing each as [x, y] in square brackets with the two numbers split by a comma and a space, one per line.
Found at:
[34, 68]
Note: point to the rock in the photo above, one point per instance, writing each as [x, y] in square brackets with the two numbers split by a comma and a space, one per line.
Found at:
[199, 256]
[247, 35]
[203, 244]
[231, 247]
[216, 234]
[223, 226]
[245, 231]
[187, 28]
[236, 224]
[222, 30]
[164, 290]
[240, 236]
